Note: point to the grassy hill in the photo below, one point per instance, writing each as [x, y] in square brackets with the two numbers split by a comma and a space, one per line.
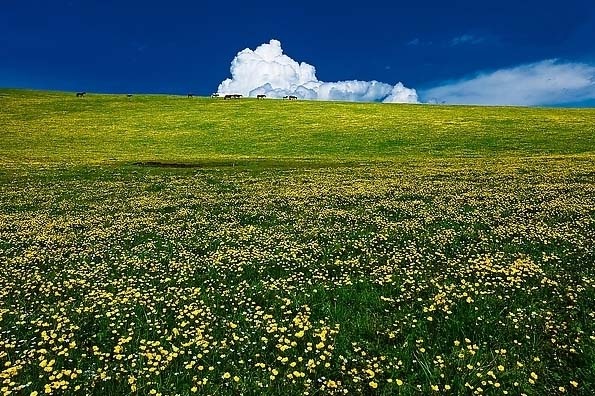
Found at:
[170, 246]
[58, 127]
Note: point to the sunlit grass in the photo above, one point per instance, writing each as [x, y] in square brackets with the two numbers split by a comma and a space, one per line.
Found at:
[56, 127]
[404, 258]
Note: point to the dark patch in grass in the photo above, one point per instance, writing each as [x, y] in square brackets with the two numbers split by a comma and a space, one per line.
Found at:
[251, 163]
[168, 164]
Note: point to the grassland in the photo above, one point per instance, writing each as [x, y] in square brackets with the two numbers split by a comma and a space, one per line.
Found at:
[165, 245]
[59, 128]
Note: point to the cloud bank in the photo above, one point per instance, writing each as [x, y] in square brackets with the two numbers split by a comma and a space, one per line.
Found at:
[549, 82]
[268, 71]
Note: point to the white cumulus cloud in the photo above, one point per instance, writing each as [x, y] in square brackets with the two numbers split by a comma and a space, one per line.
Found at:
[267, 70]
[548, 82]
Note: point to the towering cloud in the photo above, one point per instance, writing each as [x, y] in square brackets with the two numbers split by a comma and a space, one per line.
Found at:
[548, 82]
[267, 70]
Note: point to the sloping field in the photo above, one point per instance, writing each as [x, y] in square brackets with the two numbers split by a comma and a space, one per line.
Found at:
[166, 245]
[56, 127]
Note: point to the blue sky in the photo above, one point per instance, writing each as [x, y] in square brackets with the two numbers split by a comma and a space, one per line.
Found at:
[182, 46]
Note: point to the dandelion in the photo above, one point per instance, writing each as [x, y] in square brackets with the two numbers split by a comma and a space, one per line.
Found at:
[141, 279]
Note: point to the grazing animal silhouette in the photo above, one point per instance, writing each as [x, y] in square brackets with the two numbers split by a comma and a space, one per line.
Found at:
[190, 95]
[80, 94]
[291, 97]
[228, 97]
[260, 96]
[286, 97]
[232, 96]
[237, 96]
[129, 95]
[214, 95]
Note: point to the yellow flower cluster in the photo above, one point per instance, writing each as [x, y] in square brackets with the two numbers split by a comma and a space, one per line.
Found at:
[438, 278]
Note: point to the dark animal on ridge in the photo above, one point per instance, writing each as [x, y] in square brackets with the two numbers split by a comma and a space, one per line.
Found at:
[190, 95]
[214, 95]
[260, 96]
[291, 97]
[286, 97]
[80, 94]
[129, 95]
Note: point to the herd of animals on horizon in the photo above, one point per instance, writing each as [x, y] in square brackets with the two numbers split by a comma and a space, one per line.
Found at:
[214, 95]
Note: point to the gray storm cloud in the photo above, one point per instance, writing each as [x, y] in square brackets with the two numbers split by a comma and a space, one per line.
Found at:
[268, 71]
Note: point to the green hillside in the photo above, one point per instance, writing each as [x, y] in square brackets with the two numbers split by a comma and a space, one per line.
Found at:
[58, 127]
[161, 245]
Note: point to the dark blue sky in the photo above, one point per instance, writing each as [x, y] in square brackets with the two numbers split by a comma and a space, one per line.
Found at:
[180, 46]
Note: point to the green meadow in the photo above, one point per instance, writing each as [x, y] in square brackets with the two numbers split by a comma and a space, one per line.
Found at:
[60, 128]
[164, 245]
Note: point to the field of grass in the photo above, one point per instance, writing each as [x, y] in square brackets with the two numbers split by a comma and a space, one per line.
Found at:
[174, 246]
[60, 128]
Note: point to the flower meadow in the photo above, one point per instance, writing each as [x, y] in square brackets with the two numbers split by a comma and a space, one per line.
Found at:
[395, 278]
